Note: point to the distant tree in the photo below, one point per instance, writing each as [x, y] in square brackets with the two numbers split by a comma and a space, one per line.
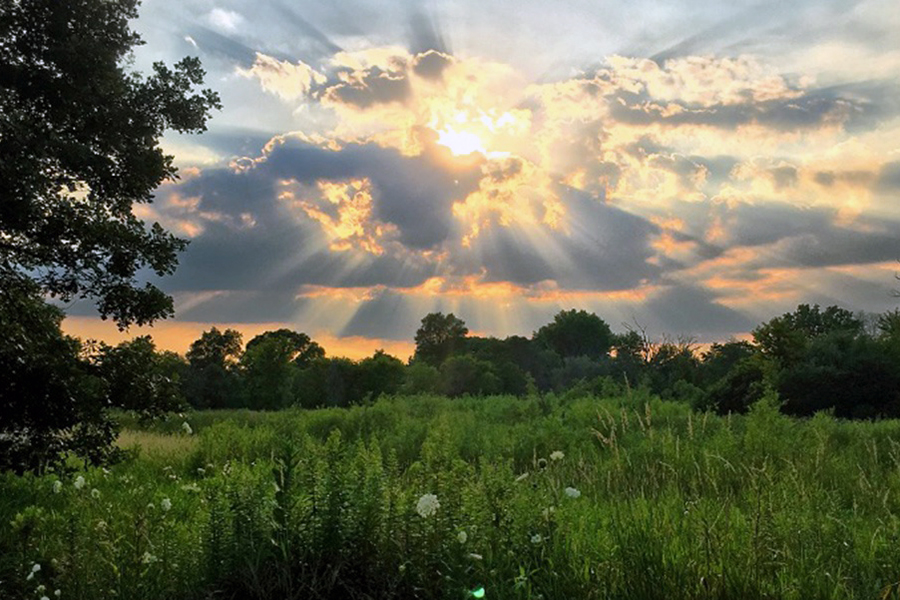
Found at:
[631, 354]
[721, 358]
[576, 333]
[464, 374]
[139, 378]
[211, 380]
[380, 374]
[421, 378]
[786, 338]
[671, 362]
[295, 346]
[745, 383]
[439, 337]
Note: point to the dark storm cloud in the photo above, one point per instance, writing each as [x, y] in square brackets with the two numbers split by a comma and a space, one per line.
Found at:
[686, 309]
[414, 193]
[212, 43]
[431, 64]
[251, 240]
[425, 32]
[889, 177]
[805, 112]
[370, 86]
[602, 248]
[388, 315]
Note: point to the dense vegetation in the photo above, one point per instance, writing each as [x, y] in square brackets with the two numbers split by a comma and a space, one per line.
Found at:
[814, 359]
[427, 497]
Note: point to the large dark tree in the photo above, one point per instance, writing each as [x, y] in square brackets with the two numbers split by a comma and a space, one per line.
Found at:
[211, 379]
[79, 137]
[576, 333]
[439, 337]
[79, 147]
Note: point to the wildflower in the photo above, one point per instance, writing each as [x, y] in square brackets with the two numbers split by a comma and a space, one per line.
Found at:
[461, 537]
[427, 505]
[572, 492]
[536, 539]
[201, 471]
[148, 559]
[191, 487]
[40, 589]
[166, 504]
[44, 598]
[79, 482]
[557, 455]
[151, 506]
[522, 477]
[57, 593]
[57, 486]
[186, 427]
[548, 512]
[101, 525]
[34, 569]
[95, 493]
[542, 463]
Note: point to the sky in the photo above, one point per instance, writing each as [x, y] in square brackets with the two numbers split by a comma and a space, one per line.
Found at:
[689, 168]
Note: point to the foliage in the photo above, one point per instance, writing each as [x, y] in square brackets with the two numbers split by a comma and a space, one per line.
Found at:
[438, 337]
[50, 402]
[140, 379]
[576, 333]
[211, 379]
[617, 498]
[85, 136]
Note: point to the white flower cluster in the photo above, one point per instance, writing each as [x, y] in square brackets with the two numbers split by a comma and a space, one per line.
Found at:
[572, 492]
[79, 482]
[557, 455]
[186, 427]
[427, 505]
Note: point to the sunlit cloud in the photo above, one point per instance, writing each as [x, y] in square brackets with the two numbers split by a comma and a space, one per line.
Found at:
[694, 182]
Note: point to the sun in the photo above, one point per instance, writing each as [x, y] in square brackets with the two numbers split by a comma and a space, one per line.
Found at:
[460, 143]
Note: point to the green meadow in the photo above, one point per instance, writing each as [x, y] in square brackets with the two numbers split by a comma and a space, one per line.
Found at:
[426, 497]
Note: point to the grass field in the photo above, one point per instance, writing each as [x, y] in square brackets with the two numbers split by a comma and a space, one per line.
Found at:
[425, 497]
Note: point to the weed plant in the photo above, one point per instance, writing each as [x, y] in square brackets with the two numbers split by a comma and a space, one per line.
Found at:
[425, 497]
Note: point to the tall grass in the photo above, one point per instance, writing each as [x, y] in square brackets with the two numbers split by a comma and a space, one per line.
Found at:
[540, 498]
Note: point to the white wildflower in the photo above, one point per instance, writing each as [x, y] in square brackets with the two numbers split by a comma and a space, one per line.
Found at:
[57, 593]
[57, 486]
[95, 493]
[547, 512]
[557, 455]
[427, 505]
[186, 427]
[79, 482]
[44, 598]
[536, 539]
[35, 568]
[40, 589]
[148, 559]
[166, 504]
[572, 492]
[462, 537]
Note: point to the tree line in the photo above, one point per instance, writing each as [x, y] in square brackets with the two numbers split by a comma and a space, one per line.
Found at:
[57, 389]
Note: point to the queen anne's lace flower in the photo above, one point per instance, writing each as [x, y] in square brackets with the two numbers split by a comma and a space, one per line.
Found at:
[427, 505]
[166, 504]
[79, 482]
[557, 455]
[572, 492]
[536, 539]
[462, 537]
[186, 427]
[57, 486]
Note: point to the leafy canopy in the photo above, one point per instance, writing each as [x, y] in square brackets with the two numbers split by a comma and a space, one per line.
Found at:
[79, 137]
